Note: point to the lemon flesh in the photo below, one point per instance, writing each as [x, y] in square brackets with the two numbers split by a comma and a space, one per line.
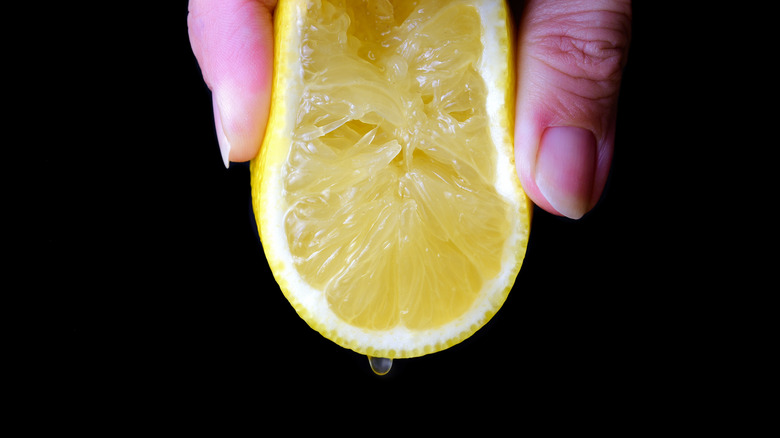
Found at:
[388, 186]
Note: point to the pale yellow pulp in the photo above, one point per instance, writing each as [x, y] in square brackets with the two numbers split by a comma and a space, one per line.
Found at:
[390, 178]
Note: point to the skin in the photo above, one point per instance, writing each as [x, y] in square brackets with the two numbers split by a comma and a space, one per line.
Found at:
[570, 60]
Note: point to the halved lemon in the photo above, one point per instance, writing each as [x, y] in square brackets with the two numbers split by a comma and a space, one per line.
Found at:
[385, 191]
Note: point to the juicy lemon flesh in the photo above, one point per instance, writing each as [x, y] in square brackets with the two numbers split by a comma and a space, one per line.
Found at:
[390, 177]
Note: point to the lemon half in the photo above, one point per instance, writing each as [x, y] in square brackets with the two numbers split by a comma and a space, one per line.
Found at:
[385, 190]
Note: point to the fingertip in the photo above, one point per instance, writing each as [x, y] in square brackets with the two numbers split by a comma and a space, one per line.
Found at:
[566, 169]
[240, 119]
[233, 42]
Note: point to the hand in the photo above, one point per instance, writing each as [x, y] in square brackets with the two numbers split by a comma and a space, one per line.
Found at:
[570, 60]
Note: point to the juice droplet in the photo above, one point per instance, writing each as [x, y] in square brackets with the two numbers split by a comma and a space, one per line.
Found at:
[380, 365]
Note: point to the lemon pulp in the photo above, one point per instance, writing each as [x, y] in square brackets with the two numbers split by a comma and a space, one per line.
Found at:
[390, 178]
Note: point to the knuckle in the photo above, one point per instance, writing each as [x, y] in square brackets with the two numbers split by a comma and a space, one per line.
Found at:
[586, 49]
[597, 60]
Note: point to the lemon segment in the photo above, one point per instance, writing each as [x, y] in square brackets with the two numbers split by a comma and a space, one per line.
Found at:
[385, 191]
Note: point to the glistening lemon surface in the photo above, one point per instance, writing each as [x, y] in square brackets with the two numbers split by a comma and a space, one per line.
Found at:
[385, 191]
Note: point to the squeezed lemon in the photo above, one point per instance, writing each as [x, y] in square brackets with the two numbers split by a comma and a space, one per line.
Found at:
[385, 192]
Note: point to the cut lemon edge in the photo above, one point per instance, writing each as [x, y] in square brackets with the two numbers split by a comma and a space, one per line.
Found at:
[496, 66]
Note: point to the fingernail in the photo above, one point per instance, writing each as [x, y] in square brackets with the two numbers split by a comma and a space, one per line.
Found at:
[224, 144]
[566, 168]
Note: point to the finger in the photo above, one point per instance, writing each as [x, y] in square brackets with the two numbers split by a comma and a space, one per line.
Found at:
[570, 60]
[233, 43]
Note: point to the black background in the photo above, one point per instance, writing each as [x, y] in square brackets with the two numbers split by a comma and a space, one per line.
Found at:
[164, 298]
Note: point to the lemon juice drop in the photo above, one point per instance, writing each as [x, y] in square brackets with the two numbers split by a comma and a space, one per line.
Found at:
[380, 365]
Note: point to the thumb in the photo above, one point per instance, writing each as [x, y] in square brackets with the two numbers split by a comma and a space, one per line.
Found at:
[570, 60]
[233, 43]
